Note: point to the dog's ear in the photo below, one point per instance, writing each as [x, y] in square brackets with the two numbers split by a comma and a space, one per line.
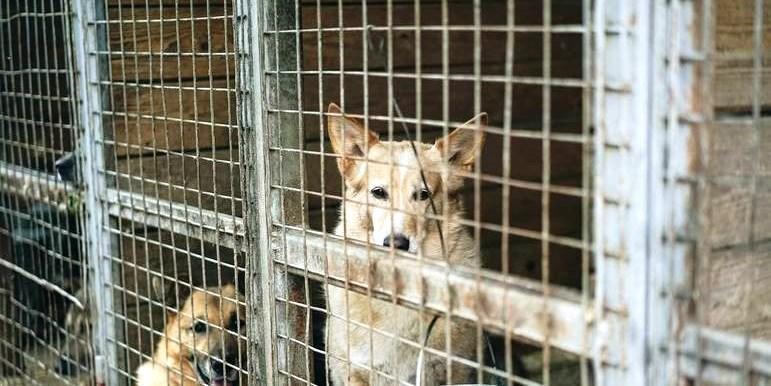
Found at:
[164, 292]
[350, 139]
[464, 143]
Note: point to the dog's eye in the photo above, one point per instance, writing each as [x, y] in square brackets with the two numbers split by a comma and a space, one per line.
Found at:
[379, 193]
[421, 195]
[199, 327]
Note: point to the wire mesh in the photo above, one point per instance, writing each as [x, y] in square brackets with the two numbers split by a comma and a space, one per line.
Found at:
[41, 259]
[394, 192]
[418, 70]
[173, 191]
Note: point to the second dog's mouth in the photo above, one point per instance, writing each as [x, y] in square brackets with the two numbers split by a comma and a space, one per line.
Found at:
[230, 379]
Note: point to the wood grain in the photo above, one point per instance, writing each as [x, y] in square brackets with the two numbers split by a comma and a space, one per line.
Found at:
[734, 51]
[162, 118]
[188, 176]
[145, 44]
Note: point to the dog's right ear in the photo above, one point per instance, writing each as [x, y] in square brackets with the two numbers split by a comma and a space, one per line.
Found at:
[349, 138]
[163, 291]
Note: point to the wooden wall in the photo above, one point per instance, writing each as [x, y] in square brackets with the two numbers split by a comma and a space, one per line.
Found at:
[733, 279]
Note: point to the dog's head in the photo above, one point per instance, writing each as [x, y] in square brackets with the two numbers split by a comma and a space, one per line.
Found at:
[205, 332]
[384, 187]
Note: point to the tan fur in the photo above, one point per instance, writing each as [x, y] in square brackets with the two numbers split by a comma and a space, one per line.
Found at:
[171, 364]
[367, 162]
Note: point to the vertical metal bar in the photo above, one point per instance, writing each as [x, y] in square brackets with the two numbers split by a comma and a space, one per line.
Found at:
[622, 118]
[255, 185]
[646, 117]
[88, 37]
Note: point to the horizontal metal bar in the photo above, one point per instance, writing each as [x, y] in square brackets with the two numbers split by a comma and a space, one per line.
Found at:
[38, 186]
[722, 357]
[207, 225]
[162, 214]
[499, 303]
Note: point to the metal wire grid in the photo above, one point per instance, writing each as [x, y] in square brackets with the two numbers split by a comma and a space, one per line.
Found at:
[172, 172]
[42, 266]
[306, 66]
[284, 342]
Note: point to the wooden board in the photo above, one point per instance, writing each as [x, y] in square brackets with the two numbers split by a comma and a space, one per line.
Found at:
[734, 49]
[170, 3]
[735, 290]
[162, 118]
[145, 44]
[187, 175]
[527, 100]
[527, 45]
[732, 165]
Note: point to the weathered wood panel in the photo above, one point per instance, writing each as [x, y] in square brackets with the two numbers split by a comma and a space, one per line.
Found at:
[169, 3]
[734, 270]
[527, 113]
[156, 44]
[735, 290]
[186, 179]
[732, 165]
[734, 49]
[163, 117]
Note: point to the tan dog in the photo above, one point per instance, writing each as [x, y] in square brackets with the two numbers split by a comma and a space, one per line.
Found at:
[387, 175]
[200, 343]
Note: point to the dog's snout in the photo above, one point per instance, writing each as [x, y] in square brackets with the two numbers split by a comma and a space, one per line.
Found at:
[399, 241]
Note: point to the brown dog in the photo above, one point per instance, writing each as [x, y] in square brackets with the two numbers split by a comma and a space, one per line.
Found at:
[200, 344]
[386, 203]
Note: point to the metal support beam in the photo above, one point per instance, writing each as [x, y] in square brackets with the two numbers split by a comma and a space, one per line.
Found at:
[498, 302]
[255, 180]
[89, 37]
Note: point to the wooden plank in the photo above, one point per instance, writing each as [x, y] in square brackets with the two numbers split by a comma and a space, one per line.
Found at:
[731, 167]
[152, 49]
[186, 179]
[527, 47]
[527, 112]
[170, 3]
[734, 45]
[144, 118]
[735, 289]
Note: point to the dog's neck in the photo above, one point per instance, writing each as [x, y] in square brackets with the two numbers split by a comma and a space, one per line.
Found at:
[180, 371]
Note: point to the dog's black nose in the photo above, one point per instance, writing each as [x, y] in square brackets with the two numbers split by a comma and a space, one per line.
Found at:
[217, 366]
[399, 241]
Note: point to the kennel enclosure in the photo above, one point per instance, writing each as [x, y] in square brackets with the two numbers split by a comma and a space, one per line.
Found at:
[619, 207]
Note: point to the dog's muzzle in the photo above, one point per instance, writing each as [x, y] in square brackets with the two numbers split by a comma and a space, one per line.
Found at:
[214, 371]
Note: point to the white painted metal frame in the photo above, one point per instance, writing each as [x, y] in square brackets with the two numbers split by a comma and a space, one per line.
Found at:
[88, 37]
[645, 118]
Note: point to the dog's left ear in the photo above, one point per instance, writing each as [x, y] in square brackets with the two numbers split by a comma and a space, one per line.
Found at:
[464, 143]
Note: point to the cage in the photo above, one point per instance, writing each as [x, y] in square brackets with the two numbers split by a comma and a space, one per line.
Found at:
[519, 192]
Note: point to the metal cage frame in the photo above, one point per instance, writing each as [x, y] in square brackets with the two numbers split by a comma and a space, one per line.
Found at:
[642, 127]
